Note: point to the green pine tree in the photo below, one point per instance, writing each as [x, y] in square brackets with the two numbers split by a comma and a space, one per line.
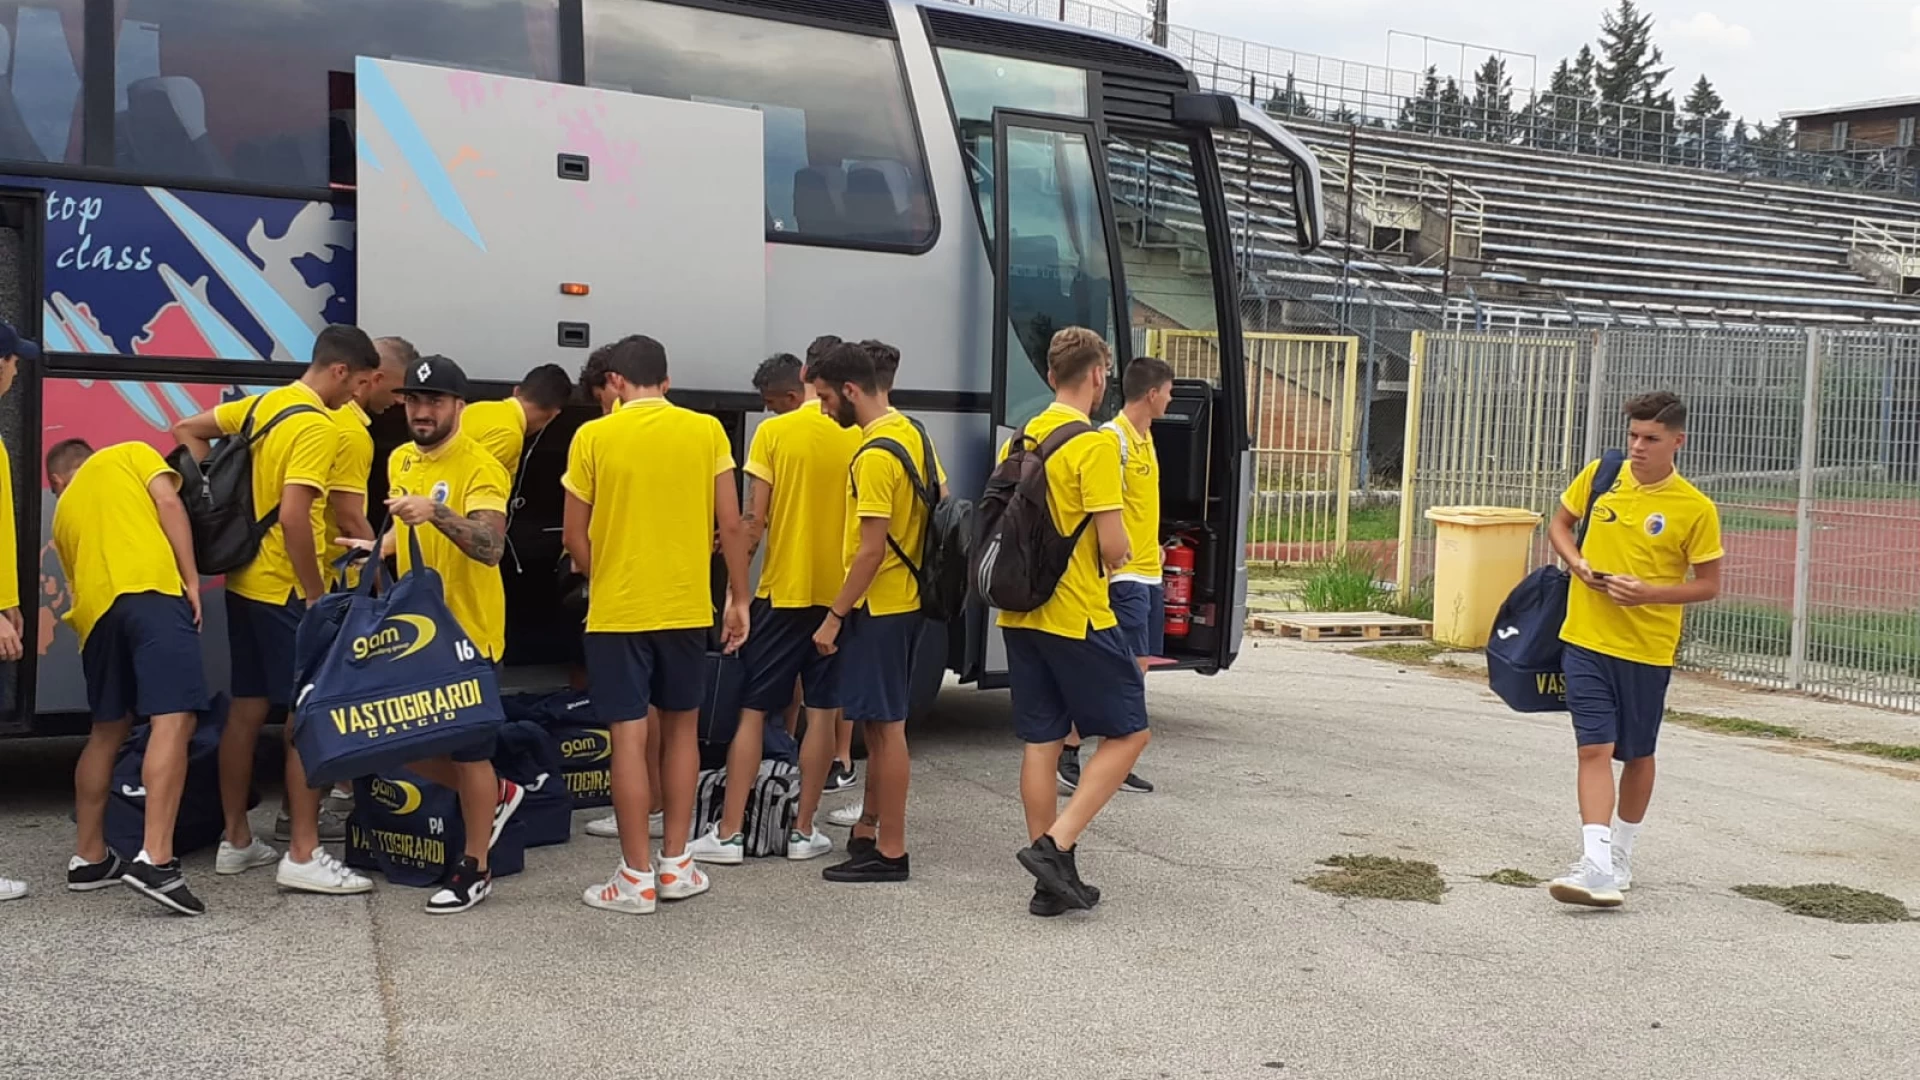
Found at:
[1629, 71]
[1491, 110]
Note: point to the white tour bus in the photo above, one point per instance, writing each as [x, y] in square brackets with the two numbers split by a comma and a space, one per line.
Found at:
[767, 171]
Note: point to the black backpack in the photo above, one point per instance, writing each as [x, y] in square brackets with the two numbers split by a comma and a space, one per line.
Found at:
[219, 496]
[1018, 554]
[946, 544]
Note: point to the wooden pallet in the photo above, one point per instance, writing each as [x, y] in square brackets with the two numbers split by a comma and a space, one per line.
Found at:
[1324, 625]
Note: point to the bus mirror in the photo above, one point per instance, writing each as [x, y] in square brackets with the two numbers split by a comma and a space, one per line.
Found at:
[1212, 112]
[1306, 208]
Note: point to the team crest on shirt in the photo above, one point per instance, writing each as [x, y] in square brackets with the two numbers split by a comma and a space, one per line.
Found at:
[440, 492]
[1656, 524]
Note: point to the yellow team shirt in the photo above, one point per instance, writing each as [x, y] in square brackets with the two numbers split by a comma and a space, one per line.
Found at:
[500, 427]
[352, 467]
[804, 456]
[1654, 532]
[1083, 478]
[1140, 491]
[9, 537]
[301, 450]
[877, 487]
[648, 470]
[106, 530]
[461, 474]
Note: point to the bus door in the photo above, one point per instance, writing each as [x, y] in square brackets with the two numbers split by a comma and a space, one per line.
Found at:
[1054, 266]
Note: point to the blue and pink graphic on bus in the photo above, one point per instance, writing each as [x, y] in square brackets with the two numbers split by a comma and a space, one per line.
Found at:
[141, 271]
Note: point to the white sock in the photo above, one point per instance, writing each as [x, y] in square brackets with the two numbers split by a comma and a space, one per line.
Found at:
[1624, 834]
[1598, 843]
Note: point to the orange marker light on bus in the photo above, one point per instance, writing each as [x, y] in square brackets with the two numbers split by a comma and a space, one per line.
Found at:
[573, 288]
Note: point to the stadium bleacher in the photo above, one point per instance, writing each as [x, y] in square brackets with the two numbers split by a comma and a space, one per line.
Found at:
[1635, 242]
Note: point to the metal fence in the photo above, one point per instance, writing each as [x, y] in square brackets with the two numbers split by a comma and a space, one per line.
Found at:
[1807, 440]
[1302, 412]
[1292, 83]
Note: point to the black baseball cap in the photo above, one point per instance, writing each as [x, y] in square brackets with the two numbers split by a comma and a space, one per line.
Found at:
[12, 344]
[435, 375]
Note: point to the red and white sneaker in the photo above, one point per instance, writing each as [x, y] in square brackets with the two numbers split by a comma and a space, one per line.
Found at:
[628, 891]
[505, 803]
[680, 878]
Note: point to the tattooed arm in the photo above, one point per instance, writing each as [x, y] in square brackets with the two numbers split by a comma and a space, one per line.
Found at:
[481, 534]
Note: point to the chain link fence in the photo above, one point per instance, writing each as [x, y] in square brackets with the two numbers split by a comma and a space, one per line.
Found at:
[1807, 440]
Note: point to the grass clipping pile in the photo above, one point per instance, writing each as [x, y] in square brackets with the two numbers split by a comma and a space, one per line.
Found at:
[1378, 877]
[1835, 903]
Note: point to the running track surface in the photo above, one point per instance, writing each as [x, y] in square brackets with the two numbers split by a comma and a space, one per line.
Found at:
[1866, 556]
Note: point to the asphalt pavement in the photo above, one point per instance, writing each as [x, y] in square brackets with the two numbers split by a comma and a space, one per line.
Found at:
[1207, 958]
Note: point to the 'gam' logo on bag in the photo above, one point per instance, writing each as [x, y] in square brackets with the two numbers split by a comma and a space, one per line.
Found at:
[391, 641]
[398, 796]
[592, 745]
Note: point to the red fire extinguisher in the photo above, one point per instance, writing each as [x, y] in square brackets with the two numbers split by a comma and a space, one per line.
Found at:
[1177, 574]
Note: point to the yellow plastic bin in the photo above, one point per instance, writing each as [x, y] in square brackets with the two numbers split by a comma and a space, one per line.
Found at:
[1480, 554]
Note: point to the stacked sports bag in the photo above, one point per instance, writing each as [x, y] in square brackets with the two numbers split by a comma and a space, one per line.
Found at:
[200, 822]
[1523, 653]
[410, 829]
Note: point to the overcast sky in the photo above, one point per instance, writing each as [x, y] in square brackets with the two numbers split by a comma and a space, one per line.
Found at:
[1764, 56]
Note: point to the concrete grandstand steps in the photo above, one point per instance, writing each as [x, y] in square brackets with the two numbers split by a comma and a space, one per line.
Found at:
[1548, 165]
[1523, 232]
[1608, 237]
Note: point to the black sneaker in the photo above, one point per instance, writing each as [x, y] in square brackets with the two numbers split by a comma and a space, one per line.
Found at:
[1048, 905]
[841, 776]
[868, 866]
[1135, 785]
[861, 847]
[466, 885]
[83, 876]
[1068, 771]
[1055, 871]
[164, 885]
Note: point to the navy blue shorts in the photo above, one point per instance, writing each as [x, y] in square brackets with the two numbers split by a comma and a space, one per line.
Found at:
[1615, 701]
[779, 650]
[1060, 683]
[876, 665]
[142, 659]
[666, 669]
[260, 637]
[1142, 611]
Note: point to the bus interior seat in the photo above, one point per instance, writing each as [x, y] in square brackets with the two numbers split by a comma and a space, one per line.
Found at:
[815, 208]
[291, 158]
[873, 210]
[166, 125]
[16, 142]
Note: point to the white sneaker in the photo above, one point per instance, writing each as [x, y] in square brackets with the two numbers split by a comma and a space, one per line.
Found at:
[11, 889]
[801, 847]
[847, 816]
[609, 826]
[679, 878]
[1622, 870]
[234, 860]
[1588, 886]
[709, 848]
[325, 874]
[628, 891]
